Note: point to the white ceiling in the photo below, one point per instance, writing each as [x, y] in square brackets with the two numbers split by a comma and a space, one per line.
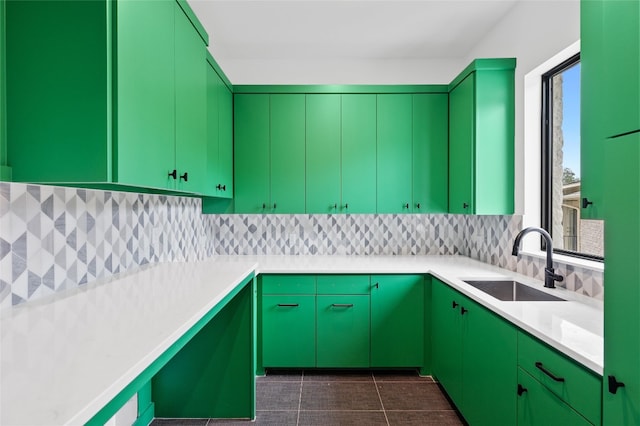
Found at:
[246, 32]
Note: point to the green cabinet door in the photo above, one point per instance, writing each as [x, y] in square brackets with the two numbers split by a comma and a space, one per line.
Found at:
[622, 66]
[213, 137]
[358, 154]
[288, 331]
[489, 357]
[145, 94]
[397, 320]
[322, 153]
[592, 76]
[621, 314]
[287, 153]
[461, 146]
[538, 406]
[446, 335]
[430, 153]
[394, 153]
[224, 183]
[191, 105]
[342, 323]
[251, 153]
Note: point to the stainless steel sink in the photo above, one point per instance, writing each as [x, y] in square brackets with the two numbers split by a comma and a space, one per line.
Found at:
[509, 290]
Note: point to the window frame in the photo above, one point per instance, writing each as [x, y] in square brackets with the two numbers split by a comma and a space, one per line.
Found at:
[546, 156]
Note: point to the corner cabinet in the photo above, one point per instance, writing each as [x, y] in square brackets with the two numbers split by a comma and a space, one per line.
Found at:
[472, 347]
[123, 104]
[481, 138]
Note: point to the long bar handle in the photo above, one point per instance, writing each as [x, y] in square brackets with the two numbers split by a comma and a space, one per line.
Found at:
[292, 305]
[548, 373]
[342, 305]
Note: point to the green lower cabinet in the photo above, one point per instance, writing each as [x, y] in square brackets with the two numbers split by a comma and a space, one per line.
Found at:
[342, 325]
[471, 348]
[397, 320]
[539, 406]
[288, 330]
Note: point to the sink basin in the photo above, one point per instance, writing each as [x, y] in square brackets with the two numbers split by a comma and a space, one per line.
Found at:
[509, 290]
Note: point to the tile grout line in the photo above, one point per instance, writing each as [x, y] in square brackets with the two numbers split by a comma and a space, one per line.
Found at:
[300, 397]
[375, 383]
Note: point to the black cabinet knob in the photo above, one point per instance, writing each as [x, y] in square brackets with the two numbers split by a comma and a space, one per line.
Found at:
[405, 205]
[335, 206]
[185, 177]
[454, 304]
[346, 206]
[274, 206]
[465, 205]
[586, 203]
[264, 206]
[174, 174]
[614, 384]
[417, 205]
[221, 187]
[463, 310]
[521, 389]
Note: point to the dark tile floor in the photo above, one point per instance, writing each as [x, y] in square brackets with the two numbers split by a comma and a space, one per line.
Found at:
[321, 397]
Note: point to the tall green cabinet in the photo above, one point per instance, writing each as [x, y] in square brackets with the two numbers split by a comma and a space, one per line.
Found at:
[481, 138]
[121, 100]
[5, 170]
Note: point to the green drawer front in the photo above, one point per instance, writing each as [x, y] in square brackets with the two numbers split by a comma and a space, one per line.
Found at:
[581, 389]
[289, 331]
[344, 284]
[538, 406]
[342, 325]
[288, 284]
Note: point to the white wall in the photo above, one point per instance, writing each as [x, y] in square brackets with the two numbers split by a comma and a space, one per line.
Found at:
[533, 32]
[340, 71]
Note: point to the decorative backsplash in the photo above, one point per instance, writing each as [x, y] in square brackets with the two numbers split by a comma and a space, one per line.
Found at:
[56, 238]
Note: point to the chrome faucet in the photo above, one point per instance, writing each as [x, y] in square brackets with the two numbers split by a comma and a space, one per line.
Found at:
[550, 277]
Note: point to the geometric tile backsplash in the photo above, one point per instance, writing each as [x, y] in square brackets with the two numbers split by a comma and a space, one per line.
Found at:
[55, 238]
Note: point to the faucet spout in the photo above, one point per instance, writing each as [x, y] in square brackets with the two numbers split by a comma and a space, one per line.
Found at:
[550, 277]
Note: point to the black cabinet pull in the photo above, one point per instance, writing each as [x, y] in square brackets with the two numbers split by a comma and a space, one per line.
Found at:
[264, 206]
[274, 206]
[377, 285]
[521, 389]
[174, 174]
[586, 203]
[454, 304]
[335, 206]
[346, 206]
[548, 373]
[221, 187]
[463, 310]
[288, 305]
[614, 385]
[185, 176]
[418, 205]
[405, 205]
[342, 305]
[465, 205]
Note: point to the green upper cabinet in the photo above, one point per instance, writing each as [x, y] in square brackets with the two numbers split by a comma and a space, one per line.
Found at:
[124, 103]
[219, 180]
[287, 154]
[461, 135]
[191, 106]
[621, 87]
[592, 122]
[358, 159]
[395, 116]
[481, 138]
[397, 320]
[323, 122]
[269, 153]
[621, 406]
[430, 153]
[251, 153]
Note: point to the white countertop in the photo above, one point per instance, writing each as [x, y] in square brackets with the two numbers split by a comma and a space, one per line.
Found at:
[64, 358]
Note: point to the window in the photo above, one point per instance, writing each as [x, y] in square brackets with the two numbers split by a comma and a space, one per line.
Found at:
[561, 165]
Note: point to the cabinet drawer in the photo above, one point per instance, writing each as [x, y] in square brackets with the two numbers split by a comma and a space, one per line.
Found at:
[288, 284]
[538, 406]
[577, 386]
[344, 284]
